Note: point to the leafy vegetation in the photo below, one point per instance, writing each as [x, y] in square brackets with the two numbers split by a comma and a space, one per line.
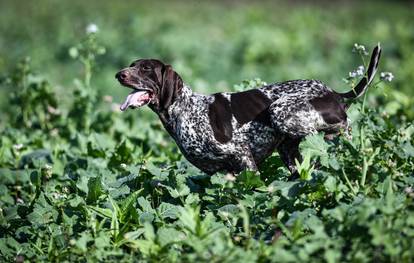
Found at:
[81, 182]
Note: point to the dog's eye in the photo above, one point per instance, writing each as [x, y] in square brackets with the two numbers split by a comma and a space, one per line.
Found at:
[146, 68]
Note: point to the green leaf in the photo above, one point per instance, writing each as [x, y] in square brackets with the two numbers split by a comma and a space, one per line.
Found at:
[99, 145]
[82, 242]
[37, 158]
[192, 199]
[145, 205]
[315, 146]
[218, 179]
[229, 210]
[36, 178]
[287, 189]
[115, 225]
[249, 179]
[8, 247]
[180, 190]
[189, 217]
[122, 155]
[134, 234]
[149, 232]
[43, 212]
[305, 168]
[146, 217]
[332, 256]
[167, 210]
[330, 184]
[104, 212]
[408, 149]
[129, 203]
[94, 189]
[166, 235]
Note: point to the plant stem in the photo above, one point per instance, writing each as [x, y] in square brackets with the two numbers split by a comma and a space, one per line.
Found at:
[364, 171]
[364, 159]
[363, 59]
[88, 72]
[348, 182]
[362, 137]
[363, 103]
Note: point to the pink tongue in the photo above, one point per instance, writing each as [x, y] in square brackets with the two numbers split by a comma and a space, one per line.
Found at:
[135, 99]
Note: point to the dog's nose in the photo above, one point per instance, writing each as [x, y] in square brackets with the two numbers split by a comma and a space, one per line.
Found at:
[121, 75]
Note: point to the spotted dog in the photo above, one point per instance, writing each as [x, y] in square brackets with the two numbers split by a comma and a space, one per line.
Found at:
[237, 131]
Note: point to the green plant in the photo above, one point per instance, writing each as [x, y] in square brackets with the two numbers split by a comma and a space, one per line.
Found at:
[86, 52]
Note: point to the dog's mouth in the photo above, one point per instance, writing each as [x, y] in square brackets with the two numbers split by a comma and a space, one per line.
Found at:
[137, 98]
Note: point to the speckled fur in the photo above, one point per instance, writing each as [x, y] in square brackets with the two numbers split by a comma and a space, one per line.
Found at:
[237, 131]
[291, 116]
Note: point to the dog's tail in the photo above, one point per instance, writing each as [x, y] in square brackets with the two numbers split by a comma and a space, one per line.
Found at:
[363, 84]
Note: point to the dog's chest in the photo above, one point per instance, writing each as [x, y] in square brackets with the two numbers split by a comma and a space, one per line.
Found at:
[192, 130]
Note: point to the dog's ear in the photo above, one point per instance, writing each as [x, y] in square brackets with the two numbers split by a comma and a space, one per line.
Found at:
[158, 74]
[170, 87]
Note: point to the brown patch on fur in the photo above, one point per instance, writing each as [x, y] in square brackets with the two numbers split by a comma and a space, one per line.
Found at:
[219, 113]
[250, 105]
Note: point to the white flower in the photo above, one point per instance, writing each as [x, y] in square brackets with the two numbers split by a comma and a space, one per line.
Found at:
[57, 195]
[65, 189]
[230, 177]
[360, 71]
[18, 147]
[386, 76]
[54, 132]
[92, 28]
[224, 214]
[115, 107]
[359, 49]
[107, 98]
[123, 166]
[53, 110]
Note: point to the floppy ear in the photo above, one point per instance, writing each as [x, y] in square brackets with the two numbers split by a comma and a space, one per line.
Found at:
[171, 86]
[158, 73]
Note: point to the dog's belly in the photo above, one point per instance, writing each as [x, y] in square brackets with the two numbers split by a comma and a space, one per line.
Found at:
[210, 156]
[262, 140]
[211, 159]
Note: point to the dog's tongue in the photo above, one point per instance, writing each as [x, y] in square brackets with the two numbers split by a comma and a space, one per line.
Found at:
[135, 99]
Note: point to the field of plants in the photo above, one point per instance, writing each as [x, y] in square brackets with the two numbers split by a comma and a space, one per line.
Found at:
[82, 182]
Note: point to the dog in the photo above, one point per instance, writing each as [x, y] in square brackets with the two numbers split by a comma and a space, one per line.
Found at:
[232, 132]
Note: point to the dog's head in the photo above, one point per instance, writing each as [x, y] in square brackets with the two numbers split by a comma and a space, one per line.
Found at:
[153, 83]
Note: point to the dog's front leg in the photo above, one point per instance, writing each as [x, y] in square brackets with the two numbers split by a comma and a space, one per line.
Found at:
[249, 164]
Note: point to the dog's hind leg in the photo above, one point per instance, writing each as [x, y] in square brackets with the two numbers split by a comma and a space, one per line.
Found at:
[288, 150]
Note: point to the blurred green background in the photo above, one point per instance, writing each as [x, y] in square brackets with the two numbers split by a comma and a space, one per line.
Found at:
[212, 44]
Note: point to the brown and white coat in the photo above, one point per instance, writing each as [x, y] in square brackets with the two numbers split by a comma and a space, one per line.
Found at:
[237, 131]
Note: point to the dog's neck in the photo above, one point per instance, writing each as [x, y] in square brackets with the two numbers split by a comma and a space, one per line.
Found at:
[181, 103]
